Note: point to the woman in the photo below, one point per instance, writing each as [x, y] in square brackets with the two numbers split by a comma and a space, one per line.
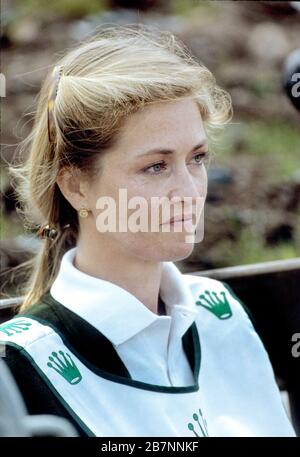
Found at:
[110, 334]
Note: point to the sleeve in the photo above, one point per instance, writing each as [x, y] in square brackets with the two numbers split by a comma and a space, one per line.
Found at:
[37, 396]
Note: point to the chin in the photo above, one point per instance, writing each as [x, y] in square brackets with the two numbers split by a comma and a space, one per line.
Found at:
[177, 251]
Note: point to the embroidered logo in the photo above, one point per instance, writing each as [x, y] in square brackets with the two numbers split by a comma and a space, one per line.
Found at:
[18, 326]
[65, 367]
[215, 303]
[200, 423]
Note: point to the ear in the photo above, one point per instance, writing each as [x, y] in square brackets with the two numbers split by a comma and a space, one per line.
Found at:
[73, 186]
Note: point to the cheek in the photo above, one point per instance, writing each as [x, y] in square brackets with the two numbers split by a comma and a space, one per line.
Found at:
[203, 187]
[106, 188]
[139, 192]
[201, 184]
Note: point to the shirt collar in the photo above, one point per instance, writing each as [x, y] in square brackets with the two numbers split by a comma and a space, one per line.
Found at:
[114, 311]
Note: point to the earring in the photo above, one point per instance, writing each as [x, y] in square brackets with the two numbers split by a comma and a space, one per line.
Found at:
[83, 212]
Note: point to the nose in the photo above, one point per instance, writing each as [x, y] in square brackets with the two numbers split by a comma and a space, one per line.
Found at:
[188, 192]
[188, 186]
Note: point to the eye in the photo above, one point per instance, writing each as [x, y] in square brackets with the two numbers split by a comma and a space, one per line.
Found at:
[202, 156]
[156, 167]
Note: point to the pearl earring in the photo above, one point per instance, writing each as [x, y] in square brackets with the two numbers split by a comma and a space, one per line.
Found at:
[83, 212]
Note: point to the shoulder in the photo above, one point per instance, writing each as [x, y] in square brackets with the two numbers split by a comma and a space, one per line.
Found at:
[37, 396]
[24, 329]
[17, 337]
[218, 298]
[222, 314]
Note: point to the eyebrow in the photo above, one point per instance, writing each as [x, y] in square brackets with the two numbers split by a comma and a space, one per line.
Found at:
[170, 151]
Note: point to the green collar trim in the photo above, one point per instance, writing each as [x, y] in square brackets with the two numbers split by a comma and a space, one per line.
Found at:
[195, 347]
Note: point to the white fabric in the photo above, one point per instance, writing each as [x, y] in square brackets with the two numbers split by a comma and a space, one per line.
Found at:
[236, 391]
[129, 324]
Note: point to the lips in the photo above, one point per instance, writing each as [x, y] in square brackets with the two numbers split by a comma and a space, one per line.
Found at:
[180, 218]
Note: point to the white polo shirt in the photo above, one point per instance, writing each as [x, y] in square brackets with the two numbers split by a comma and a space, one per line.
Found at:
[229, 388]
[130, 325]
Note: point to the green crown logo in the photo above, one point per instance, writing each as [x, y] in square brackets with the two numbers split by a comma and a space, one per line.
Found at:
[218, 306]
[65, 367]
[18, 326]
[201, 423]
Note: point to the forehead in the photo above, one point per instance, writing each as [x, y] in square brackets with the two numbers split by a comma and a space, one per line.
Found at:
[175, 125]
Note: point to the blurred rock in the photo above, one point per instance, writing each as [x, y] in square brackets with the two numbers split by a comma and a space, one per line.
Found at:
[210, 43]
[281, 233]
[218, 179]
[258, 11]
[220, 176]
[143, 5]
[12, 255]
[295, 5]
[285, 196]
[25, 31]
[86, 26]
[5, 41]
[268, 41]
[17, 250]
[9, 200]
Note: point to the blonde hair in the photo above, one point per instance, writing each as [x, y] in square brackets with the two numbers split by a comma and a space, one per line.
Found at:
[112, 74]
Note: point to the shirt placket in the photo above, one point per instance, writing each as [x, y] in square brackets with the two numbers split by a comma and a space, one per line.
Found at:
[182, 319]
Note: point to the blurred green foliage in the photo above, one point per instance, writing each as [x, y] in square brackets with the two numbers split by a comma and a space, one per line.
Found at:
[79, 8]
[187, 7]
[251, 248]
[276, 140]
[70, 8]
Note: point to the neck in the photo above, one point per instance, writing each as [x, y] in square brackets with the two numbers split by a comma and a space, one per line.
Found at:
[138, 276]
